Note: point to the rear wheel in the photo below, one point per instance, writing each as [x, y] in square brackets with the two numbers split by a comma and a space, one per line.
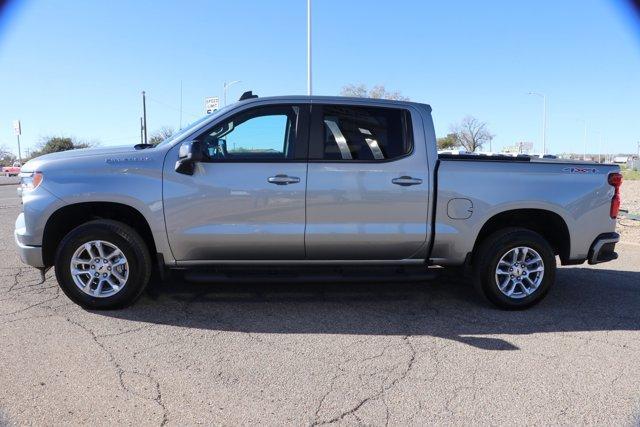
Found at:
[514, 268]
[103, 264]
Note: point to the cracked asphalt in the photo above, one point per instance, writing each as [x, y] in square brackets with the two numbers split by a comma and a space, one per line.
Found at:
[404, 354]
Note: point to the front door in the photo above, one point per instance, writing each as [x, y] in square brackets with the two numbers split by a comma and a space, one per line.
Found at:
[246, 201]
[367, 184]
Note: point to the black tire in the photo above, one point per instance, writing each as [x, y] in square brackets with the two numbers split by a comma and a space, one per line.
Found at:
[120, 235]
[491, 251]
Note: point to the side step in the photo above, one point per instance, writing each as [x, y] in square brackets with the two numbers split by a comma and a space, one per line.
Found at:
[301, 276]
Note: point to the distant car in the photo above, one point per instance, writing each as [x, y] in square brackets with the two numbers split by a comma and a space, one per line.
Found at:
[620, 159]
[13, 170]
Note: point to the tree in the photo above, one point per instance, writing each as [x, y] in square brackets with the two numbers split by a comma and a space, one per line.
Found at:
[160, 135]
[471, 133]
[56, 144]
[376, 92]
[448, 142]
[7, 158]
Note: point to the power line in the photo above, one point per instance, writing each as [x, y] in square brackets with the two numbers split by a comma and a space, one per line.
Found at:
[164, 104]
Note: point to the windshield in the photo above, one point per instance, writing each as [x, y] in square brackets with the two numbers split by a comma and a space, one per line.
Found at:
[191, 127]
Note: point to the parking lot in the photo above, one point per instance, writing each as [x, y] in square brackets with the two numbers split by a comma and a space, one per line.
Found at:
[316, 354]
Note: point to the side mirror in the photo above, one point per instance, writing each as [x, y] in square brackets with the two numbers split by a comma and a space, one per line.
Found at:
[190, 153]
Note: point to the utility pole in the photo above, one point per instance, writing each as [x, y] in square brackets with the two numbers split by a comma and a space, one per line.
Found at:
[141, 131]
[309, 87]
[144, 115]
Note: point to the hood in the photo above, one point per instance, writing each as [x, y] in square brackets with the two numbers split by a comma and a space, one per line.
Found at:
[35, 164]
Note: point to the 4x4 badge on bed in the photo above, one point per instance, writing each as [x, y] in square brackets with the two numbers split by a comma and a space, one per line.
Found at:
[580, 170]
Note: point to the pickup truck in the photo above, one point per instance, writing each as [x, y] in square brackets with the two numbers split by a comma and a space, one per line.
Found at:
[13, 170]
[310, 188]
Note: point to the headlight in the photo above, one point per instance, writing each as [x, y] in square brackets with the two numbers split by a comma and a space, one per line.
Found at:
[30, 180]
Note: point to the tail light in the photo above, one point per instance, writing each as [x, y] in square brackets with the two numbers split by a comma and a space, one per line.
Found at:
[615, 180]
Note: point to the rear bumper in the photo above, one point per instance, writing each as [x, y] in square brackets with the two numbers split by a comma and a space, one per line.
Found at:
[603, 248]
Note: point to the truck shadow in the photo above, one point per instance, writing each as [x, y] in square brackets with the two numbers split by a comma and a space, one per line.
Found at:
[583, 299]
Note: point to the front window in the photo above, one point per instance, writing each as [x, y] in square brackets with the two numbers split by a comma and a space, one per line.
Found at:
[263, 133]
[192, 126]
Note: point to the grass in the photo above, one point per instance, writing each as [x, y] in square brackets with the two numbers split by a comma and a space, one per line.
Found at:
[631, 175]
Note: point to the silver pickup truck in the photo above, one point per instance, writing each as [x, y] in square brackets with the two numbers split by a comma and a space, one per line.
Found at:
[310, 188]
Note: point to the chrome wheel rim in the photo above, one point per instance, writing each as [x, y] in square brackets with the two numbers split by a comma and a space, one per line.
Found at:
[99, 269]
[519, 272]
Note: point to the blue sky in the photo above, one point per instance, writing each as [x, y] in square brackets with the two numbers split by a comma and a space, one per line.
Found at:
[77, 68]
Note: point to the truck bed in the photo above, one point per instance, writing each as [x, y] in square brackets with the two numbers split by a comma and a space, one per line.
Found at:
[483, 186]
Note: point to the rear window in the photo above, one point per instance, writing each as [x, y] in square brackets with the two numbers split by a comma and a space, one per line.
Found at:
[363, 134]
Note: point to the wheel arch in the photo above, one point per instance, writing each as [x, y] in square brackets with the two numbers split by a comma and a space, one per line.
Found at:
[66, 218]
[550, 225]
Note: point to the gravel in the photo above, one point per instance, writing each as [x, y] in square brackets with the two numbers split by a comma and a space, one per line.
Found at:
[630, 229]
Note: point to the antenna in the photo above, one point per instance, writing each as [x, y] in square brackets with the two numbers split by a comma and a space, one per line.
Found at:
[247, 95]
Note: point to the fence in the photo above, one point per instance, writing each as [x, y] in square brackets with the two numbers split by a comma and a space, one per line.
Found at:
[634, 164]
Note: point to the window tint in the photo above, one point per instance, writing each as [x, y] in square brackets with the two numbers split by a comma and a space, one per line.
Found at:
[357, 133]
[265, 133]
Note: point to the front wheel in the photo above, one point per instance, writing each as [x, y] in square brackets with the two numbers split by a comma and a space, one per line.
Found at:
[514, 268]
[103, 264]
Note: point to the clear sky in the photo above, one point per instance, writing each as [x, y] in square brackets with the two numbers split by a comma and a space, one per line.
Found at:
[76, 68]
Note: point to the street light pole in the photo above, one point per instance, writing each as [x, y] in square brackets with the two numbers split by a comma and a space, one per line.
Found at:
[309, 87]
[584, 150]
[584, 156]
[19, 150]
[225, 86]
[599, 145]
[144, 115]
[544, 120]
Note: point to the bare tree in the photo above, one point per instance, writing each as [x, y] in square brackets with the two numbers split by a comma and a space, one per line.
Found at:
[471, 133]
[7, 158]
[376, 92]
[160, 135]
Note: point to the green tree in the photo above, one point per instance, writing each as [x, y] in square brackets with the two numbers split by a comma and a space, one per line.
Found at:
[376, 92]
[448, 142]
[56, 144]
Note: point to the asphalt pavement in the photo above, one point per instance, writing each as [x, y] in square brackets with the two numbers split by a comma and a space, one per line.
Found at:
[400, 354]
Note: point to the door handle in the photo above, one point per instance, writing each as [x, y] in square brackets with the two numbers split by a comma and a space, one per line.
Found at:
[283, 180]
[406, 181]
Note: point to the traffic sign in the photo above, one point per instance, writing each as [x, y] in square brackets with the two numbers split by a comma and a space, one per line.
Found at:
[17, 130]
[211, 104]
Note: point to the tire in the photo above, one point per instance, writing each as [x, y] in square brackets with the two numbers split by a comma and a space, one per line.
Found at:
[523, 277]
[128, 278]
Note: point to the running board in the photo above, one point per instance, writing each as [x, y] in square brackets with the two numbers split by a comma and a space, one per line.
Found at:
[275, 278]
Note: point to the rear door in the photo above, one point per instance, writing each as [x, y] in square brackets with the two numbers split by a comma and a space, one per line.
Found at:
[367, 184]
